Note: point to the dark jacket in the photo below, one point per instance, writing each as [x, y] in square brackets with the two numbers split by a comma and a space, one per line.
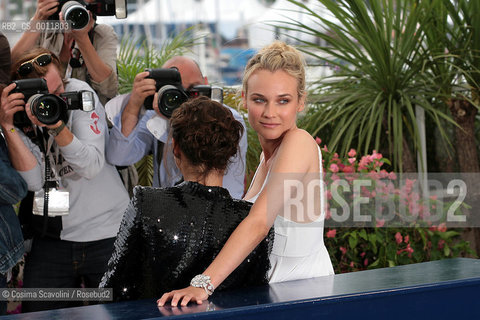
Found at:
[169, 235]
[12, 189]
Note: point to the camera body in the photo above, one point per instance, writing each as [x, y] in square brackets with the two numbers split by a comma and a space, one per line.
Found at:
[168, 84]
[76, 11]
[49, 108]
[171, 95]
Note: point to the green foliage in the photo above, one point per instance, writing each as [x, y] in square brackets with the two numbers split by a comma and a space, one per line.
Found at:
[145, 170]
[453, 38]
[233, 99]
[360, 248]
[134, 57]
[353, 249]
[378, 52]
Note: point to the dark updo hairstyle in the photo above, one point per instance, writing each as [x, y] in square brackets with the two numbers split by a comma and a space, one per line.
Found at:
[207, 133]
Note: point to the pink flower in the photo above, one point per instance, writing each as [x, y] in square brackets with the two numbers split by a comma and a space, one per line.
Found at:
[331, 233]
[398, 238]
[351, 160]
[392, 176]
[442, 227]
[328, 195]
[362, 254]
[351, 264]
[365, 160]
[380, 223]
[328, 214]
[318, 140]
[348, 169]
[373, 175]
[406, 239]
[383, 174]
[365, 262]
[409, 185]
[343, 249]
[325, 148]
[334, 168]
[376, 155]
[441, 244]
[409, 250]
[352, 153]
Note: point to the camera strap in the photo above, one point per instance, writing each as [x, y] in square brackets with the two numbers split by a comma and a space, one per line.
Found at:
[76, 58]
[45, 146]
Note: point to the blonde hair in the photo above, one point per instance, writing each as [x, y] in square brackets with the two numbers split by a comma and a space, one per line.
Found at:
[278, 56]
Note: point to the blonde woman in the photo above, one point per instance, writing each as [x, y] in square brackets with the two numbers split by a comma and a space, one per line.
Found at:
[290, 165]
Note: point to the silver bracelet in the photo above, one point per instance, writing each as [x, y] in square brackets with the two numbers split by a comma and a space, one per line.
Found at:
[203, 281]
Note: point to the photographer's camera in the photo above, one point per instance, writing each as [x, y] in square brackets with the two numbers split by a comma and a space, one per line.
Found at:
[171, 95]
[76, 11]
[49, 108]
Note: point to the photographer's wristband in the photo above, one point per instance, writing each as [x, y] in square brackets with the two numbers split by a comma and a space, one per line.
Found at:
[56, 131]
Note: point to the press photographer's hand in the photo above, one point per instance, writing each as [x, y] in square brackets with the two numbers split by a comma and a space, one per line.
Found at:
[82, 34]
[10, 104]
[142, 88]
[45, 8]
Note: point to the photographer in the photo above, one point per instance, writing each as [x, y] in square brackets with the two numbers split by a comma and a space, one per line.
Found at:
[131, 139]
[76, 245]
[88, 54]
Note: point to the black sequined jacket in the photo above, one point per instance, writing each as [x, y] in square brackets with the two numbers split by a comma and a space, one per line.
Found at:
[169, 235]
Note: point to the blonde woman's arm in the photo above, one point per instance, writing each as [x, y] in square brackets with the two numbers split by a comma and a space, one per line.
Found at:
[296, 154]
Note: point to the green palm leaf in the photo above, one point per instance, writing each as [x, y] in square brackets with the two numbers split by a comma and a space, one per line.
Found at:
[378, 47]
[134, 57]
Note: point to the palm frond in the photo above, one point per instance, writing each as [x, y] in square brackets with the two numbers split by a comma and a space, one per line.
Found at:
[379, 50]
[134, 57]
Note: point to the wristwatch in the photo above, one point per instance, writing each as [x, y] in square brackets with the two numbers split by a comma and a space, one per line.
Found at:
[57, 130]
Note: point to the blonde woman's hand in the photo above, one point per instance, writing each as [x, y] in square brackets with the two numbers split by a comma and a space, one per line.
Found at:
[184, 296]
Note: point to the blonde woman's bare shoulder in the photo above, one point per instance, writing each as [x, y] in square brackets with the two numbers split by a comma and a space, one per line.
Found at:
[297, 152]
[300, 138]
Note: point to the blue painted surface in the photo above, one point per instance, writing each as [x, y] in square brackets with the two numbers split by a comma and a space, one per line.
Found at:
[445, 289]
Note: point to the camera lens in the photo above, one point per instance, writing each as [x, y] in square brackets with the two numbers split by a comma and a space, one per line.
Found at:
[169, 99]
[76, 13]
[172, 99]
[46, 107]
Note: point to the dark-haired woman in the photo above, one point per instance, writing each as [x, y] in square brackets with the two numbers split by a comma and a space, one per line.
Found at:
[169, 234]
